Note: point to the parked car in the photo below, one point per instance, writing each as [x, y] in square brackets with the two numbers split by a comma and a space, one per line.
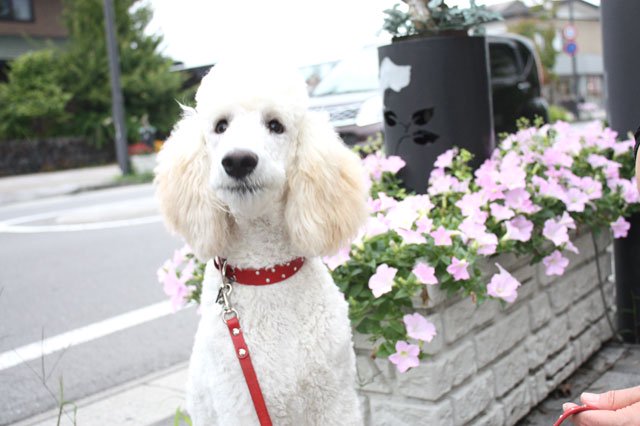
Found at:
[350, 91]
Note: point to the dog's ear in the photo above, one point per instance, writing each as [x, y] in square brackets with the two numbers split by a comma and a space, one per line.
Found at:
[326, 196]
[187, 202]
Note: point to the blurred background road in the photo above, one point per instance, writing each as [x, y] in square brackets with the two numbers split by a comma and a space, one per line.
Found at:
[79, 300]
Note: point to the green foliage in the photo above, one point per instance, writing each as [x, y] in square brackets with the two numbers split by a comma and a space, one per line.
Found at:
[80, 78]
[432, 17]
[557, 113]
[181, 418]
[33, 102]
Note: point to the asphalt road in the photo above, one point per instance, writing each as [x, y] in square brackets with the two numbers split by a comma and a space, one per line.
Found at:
[76, 261]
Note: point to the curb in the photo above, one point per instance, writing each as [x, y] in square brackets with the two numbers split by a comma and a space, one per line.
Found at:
[141, 402]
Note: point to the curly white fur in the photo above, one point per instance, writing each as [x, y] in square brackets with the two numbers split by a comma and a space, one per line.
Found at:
[305, 197]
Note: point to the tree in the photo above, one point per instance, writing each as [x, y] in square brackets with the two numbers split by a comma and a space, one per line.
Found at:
[33, 102]
[81, 70]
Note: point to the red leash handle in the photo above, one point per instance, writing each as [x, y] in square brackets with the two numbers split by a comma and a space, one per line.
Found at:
[571, 412]
[242, 352]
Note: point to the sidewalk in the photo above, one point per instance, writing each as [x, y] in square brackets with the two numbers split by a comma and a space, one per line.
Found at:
[29, 187]
[153, 400]
[614, 366]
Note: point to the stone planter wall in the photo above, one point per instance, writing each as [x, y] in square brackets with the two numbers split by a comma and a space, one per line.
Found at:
[491, 364]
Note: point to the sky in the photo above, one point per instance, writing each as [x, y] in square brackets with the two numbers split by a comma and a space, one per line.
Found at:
[202, 32]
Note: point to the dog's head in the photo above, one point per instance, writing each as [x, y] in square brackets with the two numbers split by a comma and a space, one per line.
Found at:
[250, 147]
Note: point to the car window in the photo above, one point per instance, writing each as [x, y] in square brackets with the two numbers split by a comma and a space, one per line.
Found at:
[504, 63]
[357, 73]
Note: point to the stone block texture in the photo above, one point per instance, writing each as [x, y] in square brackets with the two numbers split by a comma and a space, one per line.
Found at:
[492, 363]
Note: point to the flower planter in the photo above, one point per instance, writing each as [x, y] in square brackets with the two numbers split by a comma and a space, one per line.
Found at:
[491, 364]
[436, 95]
[628, 282]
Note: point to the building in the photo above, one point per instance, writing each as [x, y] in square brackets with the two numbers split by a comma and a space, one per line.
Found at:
[589, 69]
[27, 25]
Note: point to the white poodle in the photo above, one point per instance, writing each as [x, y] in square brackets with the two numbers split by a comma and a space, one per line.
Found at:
[251, 176]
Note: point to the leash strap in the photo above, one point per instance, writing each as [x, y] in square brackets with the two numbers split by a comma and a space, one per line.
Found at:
[242, 352]
[571, 412]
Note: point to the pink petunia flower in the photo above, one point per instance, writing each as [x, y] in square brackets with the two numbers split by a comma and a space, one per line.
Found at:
[487, 244]
[620, 228]
[338, 259]
[425, 273]
[519, 229]
[555, 157]
[424, 225]
[382, 203]
[421, 203]
[187, 272]
[500, 212]
[376, 225]
[555, 263]
[418, 327]
[445, 159]
[471, 228]
[411, 237]
[567, 221]
[503, 286]
[469, 204]
[376, 164]
[392, 164]
[458, 269]
[591, 187]
[406, 356]
[401, 216]
[556, 232]
[576, 200]
[442, 183]
[176, 289]
[441, 236]
[382, 281]
[516, 199]
[597, 160]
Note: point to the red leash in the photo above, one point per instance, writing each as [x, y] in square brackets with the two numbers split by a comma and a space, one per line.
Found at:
[571, 412]
[247, 369]
[264, 276]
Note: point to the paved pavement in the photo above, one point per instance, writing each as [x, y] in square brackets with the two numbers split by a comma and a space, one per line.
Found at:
[153, 400]
[614, 366]
[29, 187]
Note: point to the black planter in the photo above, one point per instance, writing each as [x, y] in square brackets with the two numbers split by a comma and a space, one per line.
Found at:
[628, 282]
[446, 103]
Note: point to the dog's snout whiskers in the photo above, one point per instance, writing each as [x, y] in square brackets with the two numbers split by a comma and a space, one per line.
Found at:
[239, 164]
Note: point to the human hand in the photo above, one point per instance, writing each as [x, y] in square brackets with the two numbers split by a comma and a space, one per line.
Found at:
[615, 408]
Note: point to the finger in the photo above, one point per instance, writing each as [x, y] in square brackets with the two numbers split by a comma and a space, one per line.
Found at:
[612, 400]
[601, 418]
[568, 406]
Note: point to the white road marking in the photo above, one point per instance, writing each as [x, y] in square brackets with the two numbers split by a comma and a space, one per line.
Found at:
[14, 225]
[34, 229]
[84, 334]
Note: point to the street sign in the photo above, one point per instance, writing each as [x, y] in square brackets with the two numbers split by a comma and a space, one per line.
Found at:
[569, 32]
[570, 48]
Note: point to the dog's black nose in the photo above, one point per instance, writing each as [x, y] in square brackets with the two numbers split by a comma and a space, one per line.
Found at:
[239, 164]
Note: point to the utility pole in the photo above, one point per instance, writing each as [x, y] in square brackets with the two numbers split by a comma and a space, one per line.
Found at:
[574, 65]
[621, 44]
[116, 90]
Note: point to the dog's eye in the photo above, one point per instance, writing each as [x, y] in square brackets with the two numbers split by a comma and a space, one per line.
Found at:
[275, 126]
[221, 126]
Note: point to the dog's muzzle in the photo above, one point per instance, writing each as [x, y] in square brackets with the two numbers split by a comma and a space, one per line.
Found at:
[239, 164]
